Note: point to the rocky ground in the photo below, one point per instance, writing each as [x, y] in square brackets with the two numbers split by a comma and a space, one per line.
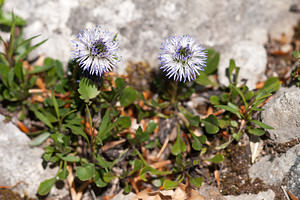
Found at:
[259, 35]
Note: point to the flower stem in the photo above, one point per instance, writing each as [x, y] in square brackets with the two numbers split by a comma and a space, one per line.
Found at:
[92, 130]
[174, 92]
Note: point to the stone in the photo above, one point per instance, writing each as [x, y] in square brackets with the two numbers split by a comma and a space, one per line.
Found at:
[293, 183]
[282, 113]
[210, 192]
[272, 170]
[121, 196]
[250, 57]
[142, 25]
[267, 195]
[22, 164]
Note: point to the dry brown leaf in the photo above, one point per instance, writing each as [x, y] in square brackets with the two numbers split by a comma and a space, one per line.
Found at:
[37, 98]
[179, 194]
[217, 177]
[22, 127]
[144, 195]
[40, 83]
[195, 195]
[40, 61]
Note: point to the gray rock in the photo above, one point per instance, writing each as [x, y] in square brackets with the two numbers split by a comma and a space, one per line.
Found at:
[121, 196]
[19, 162]
[250, 57]
[272, 170]
[293, 183]
[282, 113]
[268, 195]
[142, 24]
[210, 192]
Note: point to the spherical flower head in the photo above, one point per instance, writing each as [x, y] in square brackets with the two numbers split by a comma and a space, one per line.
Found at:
[182, 58]
[96, 50]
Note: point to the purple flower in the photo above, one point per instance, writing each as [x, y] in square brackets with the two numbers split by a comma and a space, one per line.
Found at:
[96, 50]
[182, 58]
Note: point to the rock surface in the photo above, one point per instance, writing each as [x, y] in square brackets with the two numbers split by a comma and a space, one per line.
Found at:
[210, 192]
[293, 184]
[142, 24]
[121, 196]
[272, 170]
[282, 113]
[268, 195]
[19, 162]
[250, 57]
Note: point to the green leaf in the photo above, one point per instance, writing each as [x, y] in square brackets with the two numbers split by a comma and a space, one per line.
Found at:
[232, 66]
[196, 181]
[55, 105]
[211, 124]
[107, 177]
[224, 145]
[203, 79]
[28, 50]
[4, 70]
[265, 126]
[124, 122]
[271, 85]
[127, 188]
[87, 90]
[256, 131]
[196, 144]
[77, 130]
[46, 186]
[138, 164]
[103, 163]
[39, 139]
[68, 158]
[241, 95]
[99, 181]
[128, 96]
[214, 100]
[63, 174]
[179, 145]
[168, 184]
[296, 54]
[120, 83]
[212, 61]
[249, 95]
[19, 71]
[7, 19]
[230, 109]
[216, 159]
[43, 118]
[85, 172]
[104, 122]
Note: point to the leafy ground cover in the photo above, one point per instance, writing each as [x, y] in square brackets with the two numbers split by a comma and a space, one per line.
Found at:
[111, 133]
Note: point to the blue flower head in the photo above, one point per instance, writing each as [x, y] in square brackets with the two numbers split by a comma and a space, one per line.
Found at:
[96, 50]
[182, 58]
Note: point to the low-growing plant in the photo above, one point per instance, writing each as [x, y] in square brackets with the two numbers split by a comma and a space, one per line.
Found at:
[296, 71]
[241, 106]
[87, 111]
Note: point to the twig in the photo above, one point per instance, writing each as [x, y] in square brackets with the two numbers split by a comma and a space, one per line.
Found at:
[285, 193]
[163, 147]
[161, 164]
[12, 186]
[70, 180]
[112, 144]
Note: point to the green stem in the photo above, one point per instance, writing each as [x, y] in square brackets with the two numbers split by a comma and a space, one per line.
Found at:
[92, 130]
[174, 92]
[141, 157]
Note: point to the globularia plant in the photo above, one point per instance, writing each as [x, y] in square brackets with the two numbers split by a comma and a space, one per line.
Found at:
[83, 120]
[182, 58]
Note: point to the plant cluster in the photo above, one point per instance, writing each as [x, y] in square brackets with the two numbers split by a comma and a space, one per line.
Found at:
[87, 111]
